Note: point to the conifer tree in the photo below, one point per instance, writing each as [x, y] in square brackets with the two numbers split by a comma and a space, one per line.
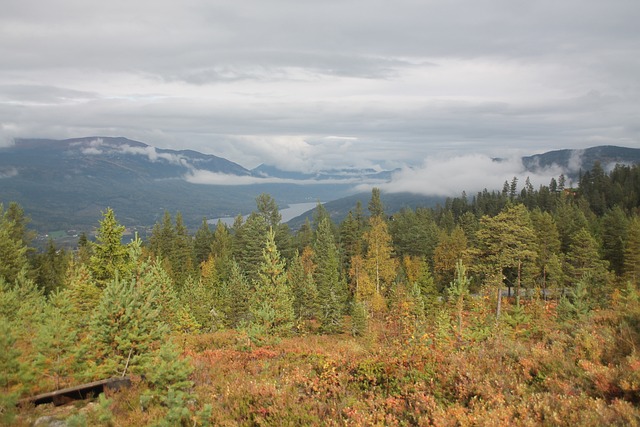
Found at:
[182, 254]
[125, 328]
[379, 260]
[350, 240]
[199, 303]
[239, 295]
[217, 293]
[614, 234]
[110, 257]
[548, 249]
[248, 244]
[83, 293]
[427, 287]
[56, 340]
[272, 302]
[331, 288]
[376, 208]
[305, 292]
[632, 252]
[51, 267]
[202, 242]
[11, 373]
[506, 241]
[13, 251]
[583, 259]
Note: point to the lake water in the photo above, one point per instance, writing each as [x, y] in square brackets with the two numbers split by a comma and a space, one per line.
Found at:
[294, 210]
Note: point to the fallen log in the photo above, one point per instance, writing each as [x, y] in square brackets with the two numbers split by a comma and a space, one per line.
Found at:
[79, 392]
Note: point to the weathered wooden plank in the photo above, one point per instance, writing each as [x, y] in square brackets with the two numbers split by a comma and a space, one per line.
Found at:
[79, 392]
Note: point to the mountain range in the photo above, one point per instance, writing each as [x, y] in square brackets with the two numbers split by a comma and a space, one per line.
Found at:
[65, 184]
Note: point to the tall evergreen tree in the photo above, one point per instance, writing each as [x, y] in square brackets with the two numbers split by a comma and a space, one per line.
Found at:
[272, 302]
[304, 290]
[548, 249]
[583, 259]
[248, 244]
[239, 291]
[110, 257]
[632, 252]
[332, 291]
[125, 329]
[376, 208]
[202, 242]
[614, 234]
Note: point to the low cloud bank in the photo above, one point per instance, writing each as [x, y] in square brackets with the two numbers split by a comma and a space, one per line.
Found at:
[100, 146]
[439, 176]
[197, 176]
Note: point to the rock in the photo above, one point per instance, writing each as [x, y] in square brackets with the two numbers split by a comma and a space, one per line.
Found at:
[48, 421]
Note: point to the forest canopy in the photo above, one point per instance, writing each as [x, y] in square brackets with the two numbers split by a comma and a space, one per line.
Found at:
[519, 306]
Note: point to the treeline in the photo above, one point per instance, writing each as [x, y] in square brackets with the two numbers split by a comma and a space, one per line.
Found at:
[110, 308]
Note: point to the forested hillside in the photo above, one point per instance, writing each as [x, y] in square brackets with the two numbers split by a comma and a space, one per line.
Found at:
[517, 307]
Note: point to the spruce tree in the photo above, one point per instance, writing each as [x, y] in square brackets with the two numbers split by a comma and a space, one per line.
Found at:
[239, 292]
[332, 292]
[202, 242]
[304, 289]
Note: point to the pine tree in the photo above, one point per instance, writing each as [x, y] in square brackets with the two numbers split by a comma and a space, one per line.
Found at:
[548, 249]
[272, 303]
[110, 257]
[125, 328]
[56, 340]
[506, 241]
[84, 294]
[11, 373]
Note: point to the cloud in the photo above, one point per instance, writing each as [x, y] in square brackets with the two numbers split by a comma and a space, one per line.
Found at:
[8, 172]
[471, 173]
[197, 176]
[247, 81]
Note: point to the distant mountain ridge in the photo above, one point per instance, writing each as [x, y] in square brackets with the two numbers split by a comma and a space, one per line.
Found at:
[575, 160]
[65, 184]
[331, 174]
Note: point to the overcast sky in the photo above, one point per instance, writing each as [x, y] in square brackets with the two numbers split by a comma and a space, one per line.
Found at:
[305, 85]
